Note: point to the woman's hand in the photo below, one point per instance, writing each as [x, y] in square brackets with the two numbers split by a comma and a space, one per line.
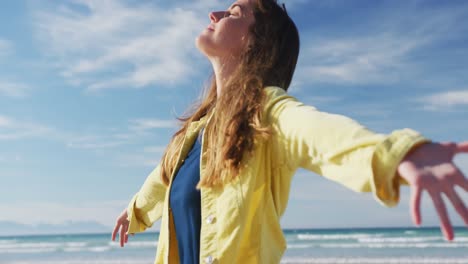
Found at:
[430, 168]
[122, 225]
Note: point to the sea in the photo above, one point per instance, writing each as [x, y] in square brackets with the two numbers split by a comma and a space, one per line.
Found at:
[358, 246]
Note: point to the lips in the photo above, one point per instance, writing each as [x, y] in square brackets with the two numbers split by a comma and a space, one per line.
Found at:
[210, 27]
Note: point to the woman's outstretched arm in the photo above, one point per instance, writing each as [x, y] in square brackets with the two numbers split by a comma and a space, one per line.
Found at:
[344, 151]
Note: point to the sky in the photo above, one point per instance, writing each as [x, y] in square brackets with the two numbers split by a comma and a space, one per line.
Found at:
[90, 89]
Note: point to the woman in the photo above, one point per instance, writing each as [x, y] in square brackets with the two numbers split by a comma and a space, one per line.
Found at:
[223, 182]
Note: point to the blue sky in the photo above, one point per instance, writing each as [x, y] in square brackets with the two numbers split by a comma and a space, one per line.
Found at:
[89, 90]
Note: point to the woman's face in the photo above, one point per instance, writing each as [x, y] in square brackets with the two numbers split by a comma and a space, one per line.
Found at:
[228, 34]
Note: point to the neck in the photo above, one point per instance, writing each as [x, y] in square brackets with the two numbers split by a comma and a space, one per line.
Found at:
[223, 70]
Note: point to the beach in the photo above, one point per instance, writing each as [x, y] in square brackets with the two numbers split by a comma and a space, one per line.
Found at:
[370, 245]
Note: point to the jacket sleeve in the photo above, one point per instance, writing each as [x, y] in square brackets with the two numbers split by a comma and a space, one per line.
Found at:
[146, 206]
[339, 148]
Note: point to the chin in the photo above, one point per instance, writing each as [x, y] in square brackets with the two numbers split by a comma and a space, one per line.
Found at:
[204, 45]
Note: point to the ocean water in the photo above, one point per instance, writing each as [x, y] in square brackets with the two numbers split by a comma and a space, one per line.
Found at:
[359, 246]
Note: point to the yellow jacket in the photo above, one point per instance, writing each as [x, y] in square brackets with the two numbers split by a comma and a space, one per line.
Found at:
[241, 221]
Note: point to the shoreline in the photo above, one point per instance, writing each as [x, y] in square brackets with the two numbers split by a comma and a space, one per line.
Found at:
[413, 228]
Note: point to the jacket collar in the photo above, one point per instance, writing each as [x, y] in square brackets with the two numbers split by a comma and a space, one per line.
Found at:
[195, 126]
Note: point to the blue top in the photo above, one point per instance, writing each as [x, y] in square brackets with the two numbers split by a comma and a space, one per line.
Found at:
[185, 202]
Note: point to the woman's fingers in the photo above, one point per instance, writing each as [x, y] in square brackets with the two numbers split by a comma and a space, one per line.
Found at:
[122, 226]
[445, 225]
[116, 229]
[123, 232]
[415, 202]
[458, 204]
[126, 234]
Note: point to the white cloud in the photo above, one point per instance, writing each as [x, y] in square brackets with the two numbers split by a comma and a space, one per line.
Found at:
[138, 160]
[370, 110]
[382, 51]
[8, 87]
[94, 142]
[150, 157]
[155, 149]
[317, 100]
[444, 100]
[362, 60]
[5, 121]
[114, 45]
[12, 129]
[100, 142]
[5, 47]
[144, 124]
[10, 158]
[136, 129]
[13, 89]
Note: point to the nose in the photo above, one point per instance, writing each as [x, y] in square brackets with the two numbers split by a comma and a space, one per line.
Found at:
[216, 16]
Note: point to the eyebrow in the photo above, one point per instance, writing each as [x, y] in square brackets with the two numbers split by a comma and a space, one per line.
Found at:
[234, 5]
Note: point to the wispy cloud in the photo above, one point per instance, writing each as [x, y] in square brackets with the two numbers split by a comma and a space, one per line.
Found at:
[144, 124]
[445, 100]
[10, 87]
[155, 149]
[138, 160]
[10, 158]
[12, 129]
[138, 129]
[144, 43]
[106, 141]
[379, 54]
[15, 129]
[135, 130]
[317, 100]
[5, 47]
[94, 142]
[4, 121]
[150, 157]
[364, 60]
[13, 89]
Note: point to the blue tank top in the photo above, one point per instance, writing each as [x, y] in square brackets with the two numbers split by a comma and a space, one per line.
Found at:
[185, 202]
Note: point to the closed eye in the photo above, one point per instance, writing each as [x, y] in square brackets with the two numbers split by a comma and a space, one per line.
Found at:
[234, 13]
[231, 14]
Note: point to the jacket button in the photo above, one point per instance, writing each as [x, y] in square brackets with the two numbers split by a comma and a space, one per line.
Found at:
[210, 219]
[209, 260]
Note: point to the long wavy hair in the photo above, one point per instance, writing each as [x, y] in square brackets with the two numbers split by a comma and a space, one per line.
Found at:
[269, 60]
